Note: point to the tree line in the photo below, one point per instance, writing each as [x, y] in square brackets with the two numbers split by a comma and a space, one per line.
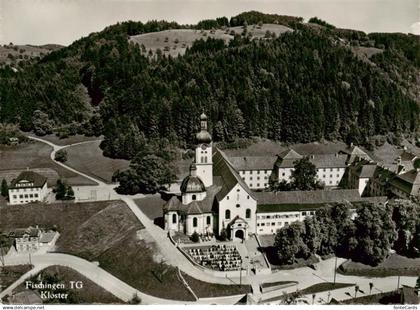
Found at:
[104, 84]
[368, 238]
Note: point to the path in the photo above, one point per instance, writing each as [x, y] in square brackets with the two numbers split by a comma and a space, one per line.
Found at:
[88, 269]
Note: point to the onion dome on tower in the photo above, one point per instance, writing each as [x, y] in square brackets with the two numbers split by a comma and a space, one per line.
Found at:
[192, 183]
[203, 136]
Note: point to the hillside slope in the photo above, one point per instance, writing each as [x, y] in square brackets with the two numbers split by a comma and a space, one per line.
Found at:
[304, 85]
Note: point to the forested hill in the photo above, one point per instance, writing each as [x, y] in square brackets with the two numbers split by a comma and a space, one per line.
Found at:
[314, 82]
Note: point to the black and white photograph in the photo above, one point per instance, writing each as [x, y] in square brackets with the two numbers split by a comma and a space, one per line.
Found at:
[209, 152]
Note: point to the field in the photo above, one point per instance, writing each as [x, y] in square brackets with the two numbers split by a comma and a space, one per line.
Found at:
[205, 290]
[88, 157]
[35, 155]
[175, 42]
[91, 293]
[10, 274]
[12, 54]
[106, 232]
[70, 140]
[394, 265]
[152, 206]
[136, 261]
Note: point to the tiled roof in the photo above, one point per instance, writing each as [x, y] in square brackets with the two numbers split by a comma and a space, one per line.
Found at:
[329, 160]
[407, 156]
[195, 207]
[367, 170]
[308, 197]
[409, 182]
[354, 152]
[227, 177]
[30, 176]
[20, 232]
[253, 162]
[47, 237]
[287, 159]
[412, 177]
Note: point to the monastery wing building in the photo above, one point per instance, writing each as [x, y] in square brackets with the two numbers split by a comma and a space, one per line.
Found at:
[218, 194]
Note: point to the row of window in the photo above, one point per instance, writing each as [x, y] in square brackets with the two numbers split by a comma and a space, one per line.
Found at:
[257, 171]
[25, 189]
[21, 196]
[331, 169]
[258, 185]
[324, 176]
[247, 214]
[227, 197]
[273, 224]
[250, 178]
[279, 216]
[195, 221]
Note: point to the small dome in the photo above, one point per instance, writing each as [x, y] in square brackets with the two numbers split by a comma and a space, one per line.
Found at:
[203, 137]
[203, 117]
[192, 184]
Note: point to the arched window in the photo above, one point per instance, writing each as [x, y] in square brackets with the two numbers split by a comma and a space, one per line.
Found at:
[194, 197]
[205, 159]
[227, 214]
[208, 220]
[174, 218]
[248, 213]
[194, 222]
[202, 159]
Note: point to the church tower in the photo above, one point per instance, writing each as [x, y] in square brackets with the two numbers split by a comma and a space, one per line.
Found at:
[204, 153]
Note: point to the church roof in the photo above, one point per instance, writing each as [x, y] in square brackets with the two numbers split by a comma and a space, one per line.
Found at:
[192, 184]
[226, 176]
[203, 117]
[253, 162]
[203, 136]
[195, 207]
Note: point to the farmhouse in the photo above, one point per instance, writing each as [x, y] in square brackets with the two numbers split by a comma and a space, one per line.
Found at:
[31, 239]
[222, 193]
[28, 187]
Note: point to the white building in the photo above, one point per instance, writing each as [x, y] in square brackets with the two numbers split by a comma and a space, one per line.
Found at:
[213, 196]
[28, 187]
[217, 195]
[330, 167]
[31, 239]
[254, 170]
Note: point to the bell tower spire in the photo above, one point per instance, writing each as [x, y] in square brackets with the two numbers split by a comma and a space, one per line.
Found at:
[204, 153]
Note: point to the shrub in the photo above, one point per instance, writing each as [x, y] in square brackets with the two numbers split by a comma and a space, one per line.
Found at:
[195, 237]
[61, 156]
[223, 235]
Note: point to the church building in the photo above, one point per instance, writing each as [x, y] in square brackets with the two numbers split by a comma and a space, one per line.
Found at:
[213, 196]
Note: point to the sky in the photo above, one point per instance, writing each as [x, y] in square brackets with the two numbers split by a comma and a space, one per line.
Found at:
[63, 21]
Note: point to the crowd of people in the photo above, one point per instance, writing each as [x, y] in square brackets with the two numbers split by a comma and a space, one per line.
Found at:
[217, 257]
